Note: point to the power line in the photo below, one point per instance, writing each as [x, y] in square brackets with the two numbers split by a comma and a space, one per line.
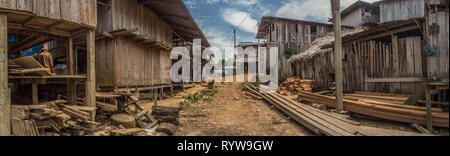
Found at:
[251, 10]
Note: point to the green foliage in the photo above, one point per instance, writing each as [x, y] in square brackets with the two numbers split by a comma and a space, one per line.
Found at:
[193, 98]
[210, 92]
[185, 105]
[256, 83]
[290, 52]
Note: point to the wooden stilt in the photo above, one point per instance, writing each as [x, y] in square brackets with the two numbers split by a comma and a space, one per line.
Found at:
[161, 94]
[155, 97]
[71, 83]
[429, 112]
[338, 53]
[90, 82]
[171, 90]
[34, 92]
[5, 103]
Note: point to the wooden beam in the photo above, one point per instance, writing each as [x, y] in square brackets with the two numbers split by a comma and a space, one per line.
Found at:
[5, 105]
[90, 82]
[338, 53]
[429, 113]
[34, 92]
[395, 80]
[71, 83]
[38, 29]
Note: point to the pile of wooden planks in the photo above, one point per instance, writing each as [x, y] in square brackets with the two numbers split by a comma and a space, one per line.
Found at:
[323, 122]
[381, 109]
[28, 66]
[51, 118]
[294, 84]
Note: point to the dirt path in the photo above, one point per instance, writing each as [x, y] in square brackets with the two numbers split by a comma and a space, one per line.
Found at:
[231, 113]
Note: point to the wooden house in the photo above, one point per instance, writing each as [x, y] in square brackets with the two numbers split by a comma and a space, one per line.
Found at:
[360, 13]
[134, 39]
[33, 22]
[291, 34]
[396, 56]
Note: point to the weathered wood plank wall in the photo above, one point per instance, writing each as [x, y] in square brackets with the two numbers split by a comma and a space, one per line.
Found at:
[438, 66]
[367, 65]
[76, 11]
[401, 10]
[296, 36]
[130, 15]
[353, 19]
[126, 63]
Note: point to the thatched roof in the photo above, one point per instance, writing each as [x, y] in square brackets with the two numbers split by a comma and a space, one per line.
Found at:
[315, 47]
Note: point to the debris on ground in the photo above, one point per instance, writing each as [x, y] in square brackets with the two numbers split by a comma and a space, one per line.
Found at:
[53, 118]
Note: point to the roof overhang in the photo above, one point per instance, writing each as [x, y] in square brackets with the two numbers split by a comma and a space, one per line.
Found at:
[381, 31]
[175, 13]
[266, 21]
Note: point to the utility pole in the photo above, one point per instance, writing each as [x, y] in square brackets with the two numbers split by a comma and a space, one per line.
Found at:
[335, 6]
[234, 36]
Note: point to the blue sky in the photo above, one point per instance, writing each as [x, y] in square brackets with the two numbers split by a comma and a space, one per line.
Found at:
[216, 17]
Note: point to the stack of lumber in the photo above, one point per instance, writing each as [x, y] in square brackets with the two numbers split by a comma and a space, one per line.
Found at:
[54, 117]
[381, 108]
[294, 85]
[323, 122]
[388, 97]
[29, 66]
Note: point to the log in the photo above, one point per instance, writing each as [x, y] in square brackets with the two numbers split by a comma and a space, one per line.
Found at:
[166, 114]
[125, 120]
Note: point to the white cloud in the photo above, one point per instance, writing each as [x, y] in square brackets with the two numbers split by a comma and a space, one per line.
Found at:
[234, 2]
[190, 4]
[235, 18]
[317, 10]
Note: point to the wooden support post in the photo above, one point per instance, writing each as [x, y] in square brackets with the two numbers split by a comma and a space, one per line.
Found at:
[429, 113]
[155, 97]
[335, 5]
[171, 90]
[5, 99]
[34, 92]
[90, 82]
[71, 83]
[161, 94]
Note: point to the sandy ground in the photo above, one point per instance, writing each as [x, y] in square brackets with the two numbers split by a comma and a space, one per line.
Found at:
[232, 113]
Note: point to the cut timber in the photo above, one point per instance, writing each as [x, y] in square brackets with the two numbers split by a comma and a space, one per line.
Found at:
[381, 94]
[36, 71]
[166, 114]
[28, 62]
[322, 122]
[125, 120]
[19, 114]
[383, 112]
[167, 128]
[106, 106]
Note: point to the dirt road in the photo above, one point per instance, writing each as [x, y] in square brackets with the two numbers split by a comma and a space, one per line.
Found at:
[231, 113]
